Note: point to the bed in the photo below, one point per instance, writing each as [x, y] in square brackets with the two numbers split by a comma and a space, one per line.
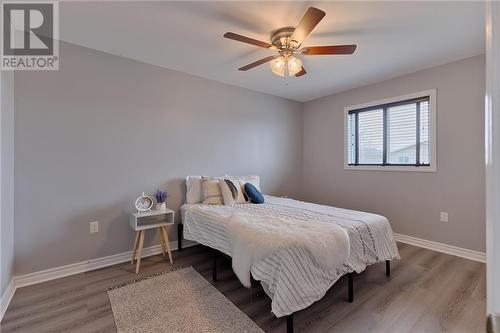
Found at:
[291, 277]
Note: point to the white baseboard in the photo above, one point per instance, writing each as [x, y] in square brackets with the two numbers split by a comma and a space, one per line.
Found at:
[440, 247]
[88, 265]
[7, 297]
[71, 269]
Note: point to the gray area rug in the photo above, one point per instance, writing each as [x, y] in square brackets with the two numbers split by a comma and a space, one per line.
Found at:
[177, 301]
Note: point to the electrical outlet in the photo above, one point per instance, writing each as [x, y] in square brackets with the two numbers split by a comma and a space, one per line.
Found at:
[443, 217]
[94, 227]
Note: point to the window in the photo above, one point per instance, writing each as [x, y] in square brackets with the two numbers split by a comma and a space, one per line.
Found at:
[393, 134]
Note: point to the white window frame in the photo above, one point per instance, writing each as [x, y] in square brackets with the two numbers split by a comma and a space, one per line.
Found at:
[432, 133]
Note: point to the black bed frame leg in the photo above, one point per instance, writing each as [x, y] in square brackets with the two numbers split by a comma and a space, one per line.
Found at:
[289, 323]
[214, 267]
[350, 287]
[388, 268]
[180, 230]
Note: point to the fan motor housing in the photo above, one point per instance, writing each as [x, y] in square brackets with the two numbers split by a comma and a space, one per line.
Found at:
[281, 39]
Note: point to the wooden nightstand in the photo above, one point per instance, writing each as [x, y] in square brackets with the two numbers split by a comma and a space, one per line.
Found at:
[155, 219]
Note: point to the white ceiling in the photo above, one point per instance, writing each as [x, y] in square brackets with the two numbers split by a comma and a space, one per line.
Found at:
[393, 38]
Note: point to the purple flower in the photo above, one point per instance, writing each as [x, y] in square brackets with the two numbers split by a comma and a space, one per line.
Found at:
[161, 196]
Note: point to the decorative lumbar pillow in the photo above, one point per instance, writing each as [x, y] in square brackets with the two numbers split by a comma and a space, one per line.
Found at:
[194, 192]
[232, 191]
[212, 194]
[254, 180]
[253, 194]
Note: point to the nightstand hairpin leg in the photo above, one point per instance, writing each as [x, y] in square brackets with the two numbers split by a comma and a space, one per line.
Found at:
[167, 244]
[162, 240]
[139, 254]
[136, 242]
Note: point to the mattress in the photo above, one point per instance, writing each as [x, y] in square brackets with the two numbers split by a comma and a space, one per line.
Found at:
[291, 277]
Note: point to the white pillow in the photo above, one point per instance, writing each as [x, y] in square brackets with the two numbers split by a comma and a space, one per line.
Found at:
[194, 193]
[212, 194]
[232, 191]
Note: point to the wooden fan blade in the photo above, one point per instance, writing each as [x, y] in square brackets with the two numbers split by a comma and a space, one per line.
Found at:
[243, 39]
[310, 19]
[333, 49]
[257, 63]
[301, 72]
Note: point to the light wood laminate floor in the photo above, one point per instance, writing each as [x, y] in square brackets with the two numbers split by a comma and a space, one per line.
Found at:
[427, 292]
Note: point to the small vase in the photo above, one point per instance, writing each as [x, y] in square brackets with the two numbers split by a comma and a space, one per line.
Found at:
[161, 206]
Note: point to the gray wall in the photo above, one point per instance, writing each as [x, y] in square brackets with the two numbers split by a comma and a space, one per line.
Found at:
[92, 136]
[7, 179]
[411, 200]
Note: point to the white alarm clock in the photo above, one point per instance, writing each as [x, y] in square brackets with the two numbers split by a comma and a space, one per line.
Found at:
[143, 203]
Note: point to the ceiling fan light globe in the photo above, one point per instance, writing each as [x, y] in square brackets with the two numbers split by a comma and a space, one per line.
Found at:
[294, 65]
[278, 66]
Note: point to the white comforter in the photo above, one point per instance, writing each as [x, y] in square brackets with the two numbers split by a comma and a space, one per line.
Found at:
[255, 237]
[291, 276]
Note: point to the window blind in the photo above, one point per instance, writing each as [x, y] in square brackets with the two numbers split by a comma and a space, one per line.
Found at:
[390, 134]
[370, 137]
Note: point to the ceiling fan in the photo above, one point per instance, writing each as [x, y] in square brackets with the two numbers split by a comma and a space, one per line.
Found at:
[288, 42]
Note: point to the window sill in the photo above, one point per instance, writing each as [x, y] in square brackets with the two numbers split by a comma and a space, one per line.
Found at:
[431, 168]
